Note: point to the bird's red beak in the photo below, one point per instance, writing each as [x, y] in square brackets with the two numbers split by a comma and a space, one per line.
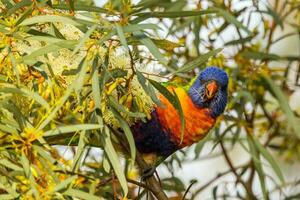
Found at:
[211, 89]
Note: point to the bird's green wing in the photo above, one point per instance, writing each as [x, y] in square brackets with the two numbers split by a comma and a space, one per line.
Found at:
[180, 82]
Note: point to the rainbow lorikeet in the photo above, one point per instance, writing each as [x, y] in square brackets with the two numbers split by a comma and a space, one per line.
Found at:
[202, 102]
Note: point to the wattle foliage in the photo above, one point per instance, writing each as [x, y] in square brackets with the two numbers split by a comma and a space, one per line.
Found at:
[72, 73]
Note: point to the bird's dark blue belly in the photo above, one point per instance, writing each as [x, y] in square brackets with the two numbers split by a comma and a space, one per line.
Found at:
[151, 138]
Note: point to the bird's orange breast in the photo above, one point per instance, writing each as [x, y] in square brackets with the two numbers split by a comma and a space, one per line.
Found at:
[197, 120]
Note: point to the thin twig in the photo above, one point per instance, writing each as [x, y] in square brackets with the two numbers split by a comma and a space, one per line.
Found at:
[140, 184]
[188, 189]
[150, 181]
[248, 190]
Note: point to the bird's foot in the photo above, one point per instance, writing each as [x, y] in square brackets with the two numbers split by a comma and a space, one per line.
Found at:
[147, 172]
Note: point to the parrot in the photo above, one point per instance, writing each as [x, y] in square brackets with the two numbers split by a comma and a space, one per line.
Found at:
[202, 102]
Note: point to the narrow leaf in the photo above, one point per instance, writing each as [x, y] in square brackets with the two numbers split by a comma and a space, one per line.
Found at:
[258, 166]
[121, 108]
[63, 185]
[231, 19]
[259, 55]
[72, 128]
[84, 39]
[128, 134]
[198, 61]
[48, 18]
[9, 164]
[121, 36]
[25, 92]
[80, 194]
[269, 158]
[148, 88]
[113, 158]
[151, 46]
[175, 14]
[79, 152]
[293, 122]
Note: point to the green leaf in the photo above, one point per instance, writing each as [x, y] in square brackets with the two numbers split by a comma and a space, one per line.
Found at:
[8, 129]
[79, 152]
[80, 7]
[48, 18]
[259, 55]
[269, 158]
[71, 4]
[51, 114]
[82, 68]
[221, 137]
[106, 164]
[243, 95]
[198, 61]
[31, 59]
[139, 27]
[14, 64]
[174, 100]
[148, 88]
[25, 92]
[24, 15]
[239, 41]
[199, 146]
[76, 86]
[17, 6]
[21, 120]
[84, 39]
[122, 36]
[173, 183]
[8, 197]
[8, 3]
[63, 185]
[113, 102]
[26, 165]
[175, 14]
[11, 190]
[72, 128]
[128, 134]
[275, 16]
[151, 46]
[56, 32]
[80, 194]
[258, 166]
[96, 90]
[9, 164]
[166, 44]
[293, 122]
[46, 158]
[106, 37]
[231, 19]
[48, 39]
[27, 171]
[113, 158]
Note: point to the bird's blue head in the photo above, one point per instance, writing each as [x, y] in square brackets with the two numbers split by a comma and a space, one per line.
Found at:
[210, 90]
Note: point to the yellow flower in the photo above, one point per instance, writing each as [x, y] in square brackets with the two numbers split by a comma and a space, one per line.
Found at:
[24, 141]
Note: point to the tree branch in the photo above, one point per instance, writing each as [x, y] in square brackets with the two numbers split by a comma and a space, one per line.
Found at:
[247, 188]
[151, 181]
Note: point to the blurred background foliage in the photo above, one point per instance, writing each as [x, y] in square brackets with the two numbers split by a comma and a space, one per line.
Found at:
[72, 72]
